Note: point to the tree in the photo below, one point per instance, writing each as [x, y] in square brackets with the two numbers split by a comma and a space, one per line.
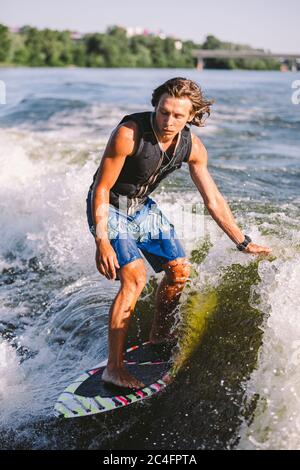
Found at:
[118, 32]
[79, 53]
[211, 42]
[158, 55]
[5, 43]
[17, 53]
[33, 44]
[48, 47]
[95, 50]
[143, 56]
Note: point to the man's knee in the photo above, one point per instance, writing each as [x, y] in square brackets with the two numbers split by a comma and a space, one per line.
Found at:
[134, 275]
[177, 271]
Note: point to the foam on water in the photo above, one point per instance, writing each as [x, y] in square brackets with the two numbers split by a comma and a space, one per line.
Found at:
[45, 244]
[276, 421]
[11, 375]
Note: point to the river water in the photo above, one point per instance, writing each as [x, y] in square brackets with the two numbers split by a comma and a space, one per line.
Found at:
[240, 386]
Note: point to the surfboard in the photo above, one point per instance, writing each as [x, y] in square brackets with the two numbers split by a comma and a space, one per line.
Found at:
[89, 395]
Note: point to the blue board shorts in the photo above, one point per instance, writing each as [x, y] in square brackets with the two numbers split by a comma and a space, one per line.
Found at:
[147, 231]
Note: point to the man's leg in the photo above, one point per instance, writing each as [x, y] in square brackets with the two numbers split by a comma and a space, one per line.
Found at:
[133, 278]
[167, 298]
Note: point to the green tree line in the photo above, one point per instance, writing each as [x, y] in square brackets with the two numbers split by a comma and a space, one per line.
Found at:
[36, 48]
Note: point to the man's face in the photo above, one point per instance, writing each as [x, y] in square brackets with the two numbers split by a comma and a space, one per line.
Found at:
[172, 114]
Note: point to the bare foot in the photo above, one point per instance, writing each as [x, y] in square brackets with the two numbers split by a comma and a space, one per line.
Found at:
[121, 377]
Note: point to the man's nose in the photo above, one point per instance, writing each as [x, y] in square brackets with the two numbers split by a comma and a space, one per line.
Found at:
[169, 120]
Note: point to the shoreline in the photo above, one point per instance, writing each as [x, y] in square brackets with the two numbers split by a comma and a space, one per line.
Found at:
[17, 66]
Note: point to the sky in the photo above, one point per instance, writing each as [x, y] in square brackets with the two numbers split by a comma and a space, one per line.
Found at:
[269, 24]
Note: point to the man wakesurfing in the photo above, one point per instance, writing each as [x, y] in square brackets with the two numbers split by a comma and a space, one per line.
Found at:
[126, 223]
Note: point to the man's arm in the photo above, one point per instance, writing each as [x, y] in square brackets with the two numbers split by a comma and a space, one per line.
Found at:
[213, 199]
[122, 142]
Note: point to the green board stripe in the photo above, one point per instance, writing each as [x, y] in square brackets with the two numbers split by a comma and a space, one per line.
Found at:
[99, 402]
[62, 410]
[74, 385]
[85, 403]
[161, 382]
[105, 402]
[133, 398]
[71, 401]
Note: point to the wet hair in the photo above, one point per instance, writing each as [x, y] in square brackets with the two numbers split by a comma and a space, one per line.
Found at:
[179, 87]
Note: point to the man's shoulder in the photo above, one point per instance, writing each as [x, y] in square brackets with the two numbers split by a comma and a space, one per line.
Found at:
[128, 127]
[140, 118]
[126, 131]
[198, 152]
[129, 130]
[132, 126]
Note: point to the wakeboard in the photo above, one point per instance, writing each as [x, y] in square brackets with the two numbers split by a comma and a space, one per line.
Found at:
[88, 394]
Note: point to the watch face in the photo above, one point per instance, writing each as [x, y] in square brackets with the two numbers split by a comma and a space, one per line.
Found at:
[247, 240]
[241, 246]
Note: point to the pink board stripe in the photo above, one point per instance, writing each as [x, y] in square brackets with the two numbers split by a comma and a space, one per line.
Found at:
[156, 386]
[93, 371]
[123, 400]
[132, 349]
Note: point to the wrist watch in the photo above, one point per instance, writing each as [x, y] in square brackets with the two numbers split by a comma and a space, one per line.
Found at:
[244, 244]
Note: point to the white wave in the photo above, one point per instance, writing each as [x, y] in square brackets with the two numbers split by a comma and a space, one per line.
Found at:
[43, 201]
[12, 380]
[276, 422]
[87, 123]
[237, 113]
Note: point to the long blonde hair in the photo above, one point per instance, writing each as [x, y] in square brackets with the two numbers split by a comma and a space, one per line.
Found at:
[179, 87]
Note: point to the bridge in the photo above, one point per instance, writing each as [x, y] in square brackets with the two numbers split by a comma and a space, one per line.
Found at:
[202, 54]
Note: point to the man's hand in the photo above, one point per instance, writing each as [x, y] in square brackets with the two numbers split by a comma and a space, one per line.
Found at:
[254, 249]
[106, 259]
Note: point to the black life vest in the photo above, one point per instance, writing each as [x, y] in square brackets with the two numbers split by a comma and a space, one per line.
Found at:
[143, 171]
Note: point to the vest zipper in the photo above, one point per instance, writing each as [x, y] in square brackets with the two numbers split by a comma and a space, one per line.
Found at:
[144, 187]
[154, 176]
